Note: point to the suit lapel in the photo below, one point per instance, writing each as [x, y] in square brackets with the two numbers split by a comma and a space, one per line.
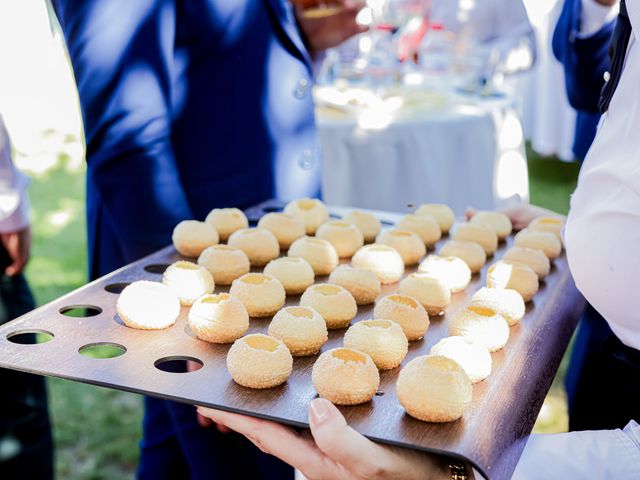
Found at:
[284, 22]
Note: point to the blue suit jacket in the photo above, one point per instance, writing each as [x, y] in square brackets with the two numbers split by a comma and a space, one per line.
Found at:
[187, 105]
[585, 60]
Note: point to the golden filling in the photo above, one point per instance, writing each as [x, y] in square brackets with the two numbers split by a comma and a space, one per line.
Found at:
[222, 297]
[549, 221]
[348, 355]
[235, 214]
[327, 289]
[400, 233]
[379, 248]
[300, 312]
[261, 342]
[187, 266]
[482, 311]
[224, 247]
[441, 363]
[306, 204]
[403, 300]
[377, 323]
[317, 241]
[256, 279]
[339, 224]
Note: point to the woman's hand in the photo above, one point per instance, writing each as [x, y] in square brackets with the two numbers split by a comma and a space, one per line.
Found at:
[521, 215]
[332, 450]
[18, 246]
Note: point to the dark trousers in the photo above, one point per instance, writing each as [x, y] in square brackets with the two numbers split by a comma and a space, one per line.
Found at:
[603, 380]
[26, 447]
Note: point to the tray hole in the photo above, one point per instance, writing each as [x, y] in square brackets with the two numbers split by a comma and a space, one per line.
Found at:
[379, 393]
[80, 311]
[178, 364]
[158, 268]
[102, 350]
[30, 337]
[271, 209]
[116, 287]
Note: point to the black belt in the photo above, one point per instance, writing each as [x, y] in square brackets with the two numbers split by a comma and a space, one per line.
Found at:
[617, 53]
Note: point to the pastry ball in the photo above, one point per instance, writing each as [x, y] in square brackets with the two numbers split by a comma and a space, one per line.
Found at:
[262, 294]
[226, 221]
[148, 305]
[363, 284]
[515, 276]
[260, 245]
[504, 301]
[259, 361]
[424, 226]
[434, 389]
[286, 228]
[470, 253]
[383, 340]
[368, 224]
[532, 257]
[302, 329]
[191, 237]
[451, 270]
[310, 211]
[345, 237]
[336, 305]
[345, 376]
[218, 318]
[432, 293]
[548, 224]
[440, 213]
[320, 254]
[294, 273]
[383, 260]
[477, 233]
[225, 263]
[474, 358]
[496, 221]
[405, 311]
[545, 241]
[408, 244]
[189, 280]
[482, 325]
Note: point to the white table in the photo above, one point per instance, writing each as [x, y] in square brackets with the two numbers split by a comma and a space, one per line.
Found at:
[463, 155]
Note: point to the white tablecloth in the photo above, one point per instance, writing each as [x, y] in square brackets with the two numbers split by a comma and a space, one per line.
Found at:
[468, 155]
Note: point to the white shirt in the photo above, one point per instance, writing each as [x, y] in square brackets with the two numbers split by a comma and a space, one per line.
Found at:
[595, 16]
[14, 203]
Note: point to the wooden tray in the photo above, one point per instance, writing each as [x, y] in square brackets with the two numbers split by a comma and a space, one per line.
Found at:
[491, 435]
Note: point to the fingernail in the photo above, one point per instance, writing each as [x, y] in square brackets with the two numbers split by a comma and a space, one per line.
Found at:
[319, 411]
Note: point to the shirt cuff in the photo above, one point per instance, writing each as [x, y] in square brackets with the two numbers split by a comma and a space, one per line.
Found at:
[595, 16]
[18, 219]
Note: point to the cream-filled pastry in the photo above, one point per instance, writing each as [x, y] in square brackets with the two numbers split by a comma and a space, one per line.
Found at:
[310, 211]
[363, 284]
[496, 221]
[226, 221]
[545, 241]
[515, 276]
[320, 254]
[191, 237]
[453, 271]
[482, 325]
[470, 253]
[383, 340]
[368, 224]
[432, 293]
[286, 228]
[259, 361]
[261, 294]
[383, 260]
[218, 318]
[532, 257]
[260, 245]
[189, 280]
[295, 273]
[336, 305]
[424, 226]
[440, 213]
[408, 244]
[148, 305]
[505, 301]
[473, 357]
[225, 263]
[302, 329]
[547, 224]
[345, 237]
[405, 311]
[477, 233]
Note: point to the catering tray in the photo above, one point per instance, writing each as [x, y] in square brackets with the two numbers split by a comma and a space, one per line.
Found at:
[491, 435]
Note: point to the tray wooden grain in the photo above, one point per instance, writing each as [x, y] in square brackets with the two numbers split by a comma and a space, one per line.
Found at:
[491, 435]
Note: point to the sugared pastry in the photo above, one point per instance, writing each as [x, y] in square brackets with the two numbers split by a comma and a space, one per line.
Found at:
[383, 260]
[260, 245]
[432, 293]
[320, 254]
[383, 340]
[363, 284]
[259, 361]
[189, 280]
[218, 318]
[424, 226]
[482, 325]
[545, 241]
[226, 221]
[302, 329]
[262, 294]
[225, 263]
[515, 276]
[470, 253]
[477, 233]
[368, 224]
[310, 211]
[286, 228]
[505, 301]
[345, 237]
[148, 305]
[496, 221]
[408, 244]
[336, 305]
[474, 358]
[451, 270]
[547, 224]
[191, 237]
[294, 273]
[532, 257]
[345, 376]
[405, 311]
[440, 213]
[434, 389]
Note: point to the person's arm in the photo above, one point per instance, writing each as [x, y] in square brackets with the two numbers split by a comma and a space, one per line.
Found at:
[122, 53]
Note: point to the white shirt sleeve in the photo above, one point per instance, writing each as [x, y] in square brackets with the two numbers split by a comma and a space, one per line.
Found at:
[14, 202]
[596, 16]
[605, 454]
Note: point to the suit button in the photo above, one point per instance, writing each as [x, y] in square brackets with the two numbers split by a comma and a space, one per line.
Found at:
[307, 160]
[606, 76]
[302, 87]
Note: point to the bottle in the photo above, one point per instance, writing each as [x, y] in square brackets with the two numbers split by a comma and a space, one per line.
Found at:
[435, 57]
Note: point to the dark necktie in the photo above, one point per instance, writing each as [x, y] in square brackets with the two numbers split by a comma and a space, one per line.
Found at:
[617, 53]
